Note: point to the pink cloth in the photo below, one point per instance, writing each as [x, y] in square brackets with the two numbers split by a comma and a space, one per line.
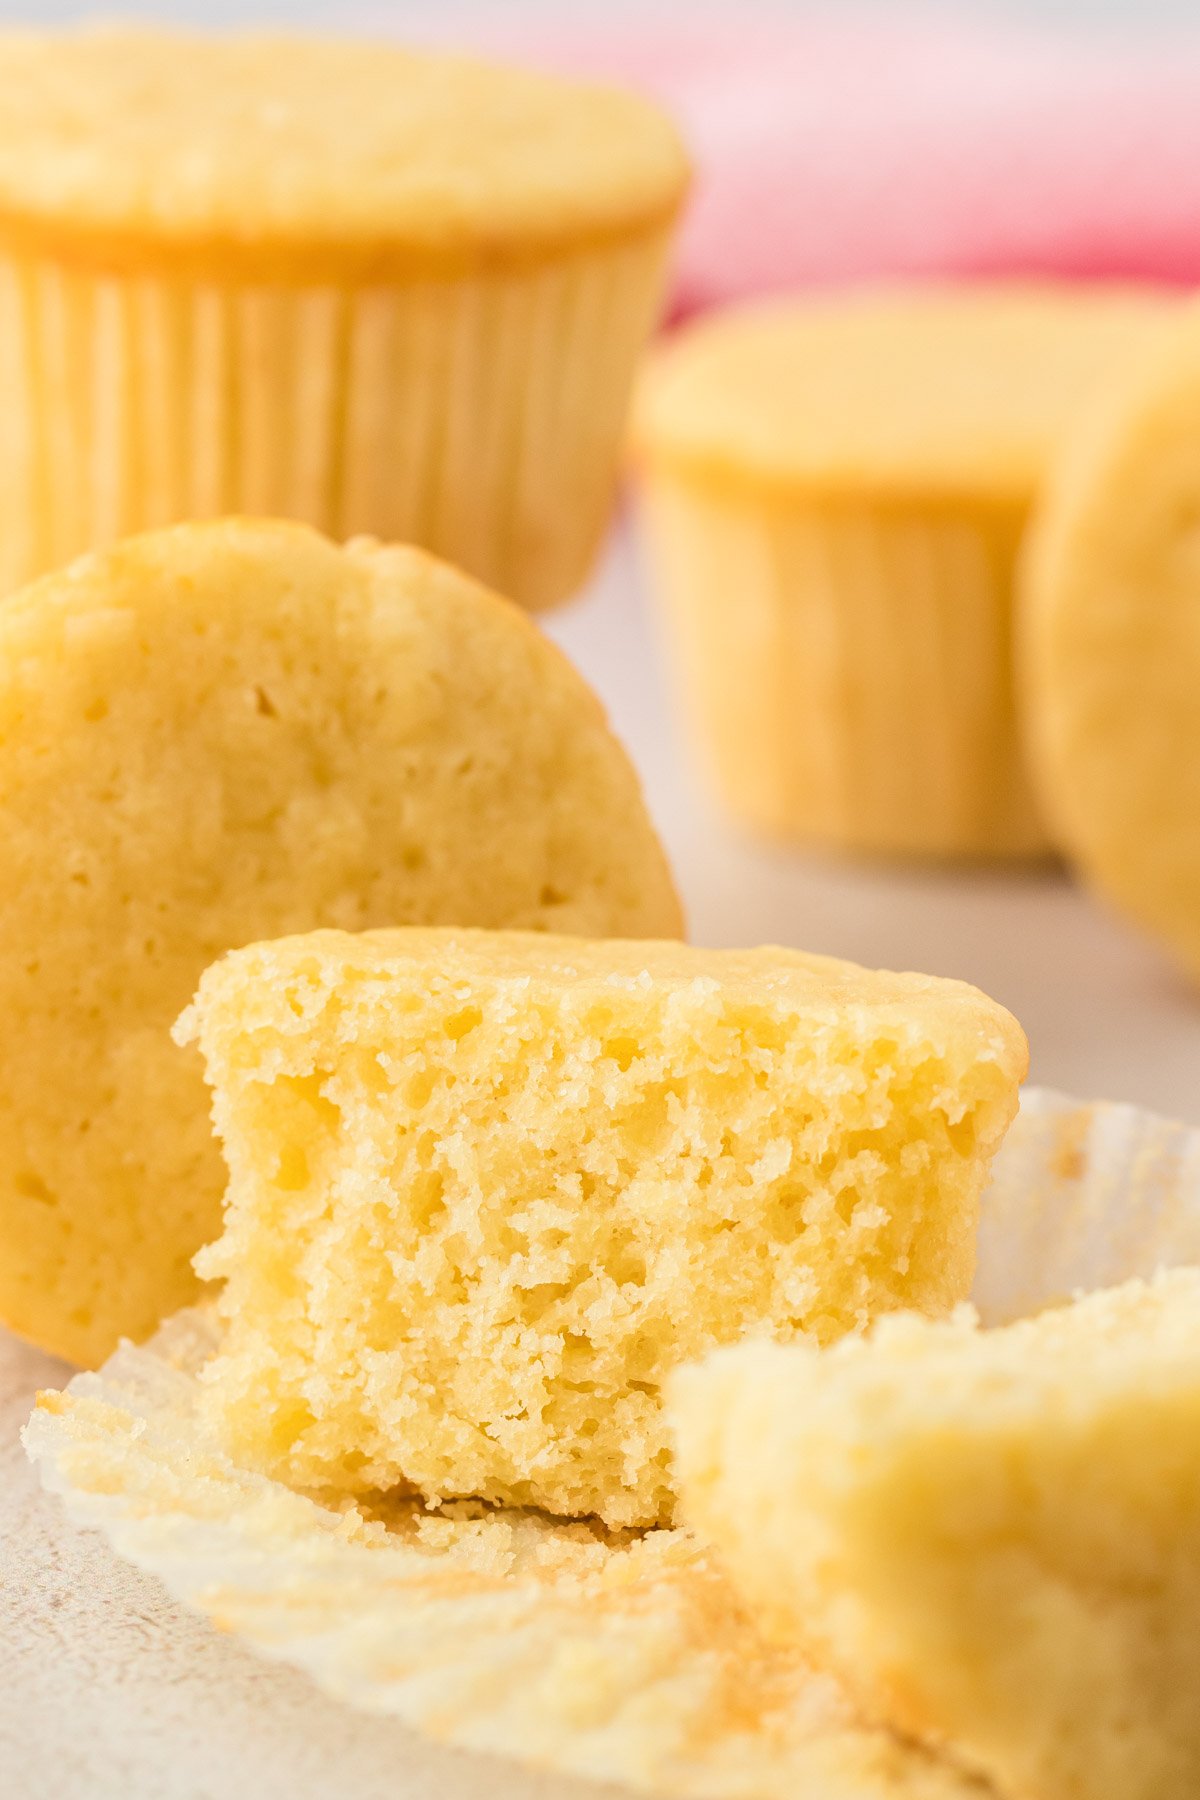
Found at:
[837, 150]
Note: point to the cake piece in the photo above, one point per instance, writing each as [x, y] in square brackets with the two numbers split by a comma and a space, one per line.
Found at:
[230, 731]
[836, 492]
[994, 1537]
[487, 1189]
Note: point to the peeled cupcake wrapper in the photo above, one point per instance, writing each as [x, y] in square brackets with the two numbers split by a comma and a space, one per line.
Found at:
[478, 414]
[612, 1656]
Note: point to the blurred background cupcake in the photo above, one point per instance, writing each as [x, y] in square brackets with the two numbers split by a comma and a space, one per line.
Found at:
[379, 291]
[836, 492]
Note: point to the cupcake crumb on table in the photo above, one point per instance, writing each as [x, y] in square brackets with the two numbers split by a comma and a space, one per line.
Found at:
[835, 493]
[226, 731]
[486, 1189]
[377, 290]
[993, 1537]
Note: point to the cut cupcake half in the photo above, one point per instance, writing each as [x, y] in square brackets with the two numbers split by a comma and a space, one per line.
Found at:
[487, 1189]
[993, 1537]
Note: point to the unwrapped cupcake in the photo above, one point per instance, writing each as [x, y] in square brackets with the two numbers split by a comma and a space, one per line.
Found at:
[836, 492]
[378, 291]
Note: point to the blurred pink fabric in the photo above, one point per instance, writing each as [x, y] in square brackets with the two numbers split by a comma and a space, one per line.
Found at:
[833, 150]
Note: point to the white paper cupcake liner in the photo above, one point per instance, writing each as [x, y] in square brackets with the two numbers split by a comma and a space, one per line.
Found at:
[623, 1658]
[859, 693]
[1084, 1195]
[478, 415]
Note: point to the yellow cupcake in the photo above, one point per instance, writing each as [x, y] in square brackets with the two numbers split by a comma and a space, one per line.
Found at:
[227, 731]
[1111, 646]
[835, 493]
[994, 1537]
[487, 1188]
[374, 290]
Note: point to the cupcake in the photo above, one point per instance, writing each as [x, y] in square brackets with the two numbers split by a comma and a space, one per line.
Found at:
[374, 290]
[487, 1286]
[234, 730]
[1109, 647]
[835, 494]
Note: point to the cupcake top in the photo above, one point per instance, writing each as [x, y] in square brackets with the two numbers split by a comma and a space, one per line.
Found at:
[283, 146]
[226, 731]
[917, 392]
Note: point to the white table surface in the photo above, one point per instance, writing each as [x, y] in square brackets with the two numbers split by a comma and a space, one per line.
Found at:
[110, 1692]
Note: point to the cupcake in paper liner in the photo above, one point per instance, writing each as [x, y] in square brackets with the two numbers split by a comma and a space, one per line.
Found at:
[1107, 647]
[835, 494]
[618, 1656]
[382, 292]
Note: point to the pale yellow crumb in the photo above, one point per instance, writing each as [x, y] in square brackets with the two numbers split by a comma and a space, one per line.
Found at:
[487, 1189]
[993, 1537]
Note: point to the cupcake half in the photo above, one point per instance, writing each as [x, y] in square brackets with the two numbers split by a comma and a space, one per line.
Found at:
[836, 492]
[378, 291]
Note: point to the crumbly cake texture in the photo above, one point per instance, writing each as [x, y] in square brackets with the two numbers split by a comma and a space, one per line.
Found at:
[257, 144]
[993, 1536]
[486, 1189]
[222, 732]
[859, 473]
[603, 1656]
[376, 290]
[1109, 654]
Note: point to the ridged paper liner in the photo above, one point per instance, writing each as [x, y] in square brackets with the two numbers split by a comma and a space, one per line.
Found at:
[478, 416]
[846, 667]
[623, 1658]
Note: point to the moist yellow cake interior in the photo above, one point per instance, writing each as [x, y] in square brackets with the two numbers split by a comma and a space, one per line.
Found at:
[993, 1537]
[486, 1188]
